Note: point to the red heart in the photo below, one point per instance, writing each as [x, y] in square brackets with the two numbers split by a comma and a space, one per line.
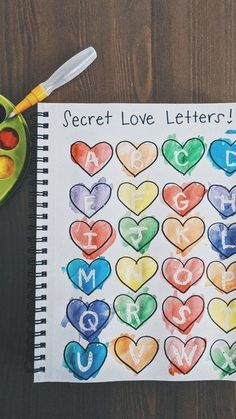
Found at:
[90, 238]
[183, 199]
[182, 275]
[183, 314]
[184, 356]
[91, 159]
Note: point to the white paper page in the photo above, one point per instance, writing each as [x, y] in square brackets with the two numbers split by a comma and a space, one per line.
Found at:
[177, 322]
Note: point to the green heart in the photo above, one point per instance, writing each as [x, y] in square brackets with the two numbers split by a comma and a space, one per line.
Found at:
[138, 234]
[135, 312]
[183, 157]
[224, 356]
[17, 155]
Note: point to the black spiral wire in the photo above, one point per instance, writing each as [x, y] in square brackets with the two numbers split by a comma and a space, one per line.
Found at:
[38, 227]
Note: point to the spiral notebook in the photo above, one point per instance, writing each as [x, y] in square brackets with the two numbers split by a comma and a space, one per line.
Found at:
[136, 242]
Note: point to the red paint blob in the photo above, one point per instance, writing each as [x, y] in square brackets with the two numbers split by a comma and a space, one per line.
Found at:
[8, 139]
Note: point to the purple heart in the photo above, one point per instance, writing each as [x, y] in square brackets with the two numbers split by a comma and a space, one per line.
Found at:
[223, 200]
[223, 238]
[88, 319]
[90, 201]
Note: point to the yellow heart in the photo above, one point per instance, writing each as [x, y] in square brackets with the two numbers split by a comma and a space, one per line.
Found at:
[137, 198]
[136, 273]
[223, 314]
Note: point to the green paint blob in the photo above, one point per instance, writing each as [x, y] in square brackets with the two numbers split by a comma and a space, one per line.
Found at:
[224, 356]
[135, 312]
[183, 157]
[138, 234]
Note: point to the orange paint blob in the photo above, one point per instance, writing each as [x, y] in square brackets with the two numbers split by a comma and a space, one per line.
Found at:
[7, 167]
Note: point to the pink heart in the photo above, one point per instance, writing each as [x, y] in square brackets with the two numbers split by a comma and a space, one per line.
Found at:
[183, 275]
[183, 314]
[91, 159]
[184, 356]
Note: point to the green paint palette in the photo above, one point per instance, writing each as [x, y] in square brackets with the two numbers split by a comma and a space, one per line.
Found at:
[14, 137]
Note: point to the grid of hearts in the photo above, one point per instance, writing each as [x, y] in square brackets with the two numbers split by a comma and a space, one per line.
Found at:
[181, 229]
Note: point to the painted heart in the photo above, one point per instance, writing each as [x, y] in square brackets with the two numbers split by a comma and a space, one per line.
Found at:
[91, 159]
[138, 234]
[90, 238]
[136, 355]
[223, 314]
[184, 356]
[182, 199]
[183, 275]
[183, 315]
[90, 201]
[85, 362]
[137, 198]
[183, 157]
[88, 319]
[88, 277]
[136, 159]
[223, 278]
[13, 149]
[223, 238]
[183, 235]
[135, 312]
[223, 200]
[134, 274]
[223, 356]
[223, 155]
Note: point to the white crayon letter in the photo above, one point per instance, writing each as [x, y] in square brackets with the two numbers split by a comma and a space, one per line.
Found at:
[91, 158]
[132, 309]
[180, 201]
[223, 241]
[85, 368]
[92, 324]
[181, 356]
[231, 158]
[82, 276]
[224, 201]
[182, 319]
[137, 230]
[227, 276]
[176, 156]
[180, 235]
[88, 203]
[136, 160]
[90, 236]
[179, 273]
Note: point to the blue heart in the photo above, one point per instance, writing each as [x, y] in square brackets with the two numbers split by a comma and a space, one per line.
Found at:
[223, 238]
[223, 199]
[87, 277]
[85, 362]
[88, 319]
[223, 155]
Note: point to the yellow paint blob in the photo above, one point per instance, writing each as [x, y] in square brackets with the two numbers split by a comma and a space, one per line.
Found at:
[7, 167]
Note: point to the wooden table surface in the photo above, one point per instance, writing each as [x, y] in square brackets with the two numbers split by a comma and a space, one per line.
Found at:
[148, 51]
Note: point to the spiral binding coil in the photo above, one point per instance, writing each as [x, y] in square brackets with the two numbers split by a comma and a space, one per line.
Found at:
[39, 250]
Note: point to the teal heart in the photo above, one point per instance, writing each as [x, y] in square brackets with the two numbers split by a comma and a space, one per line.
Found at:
[223, 356]
[85, 362]
[135, 312]
[138, 234]
[183, 157]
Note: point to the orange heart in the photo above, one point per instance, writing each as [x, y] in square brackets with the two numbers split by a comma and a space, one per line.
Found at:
[224, 278]
[136, 158]
[136, 355]
[183, 235]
